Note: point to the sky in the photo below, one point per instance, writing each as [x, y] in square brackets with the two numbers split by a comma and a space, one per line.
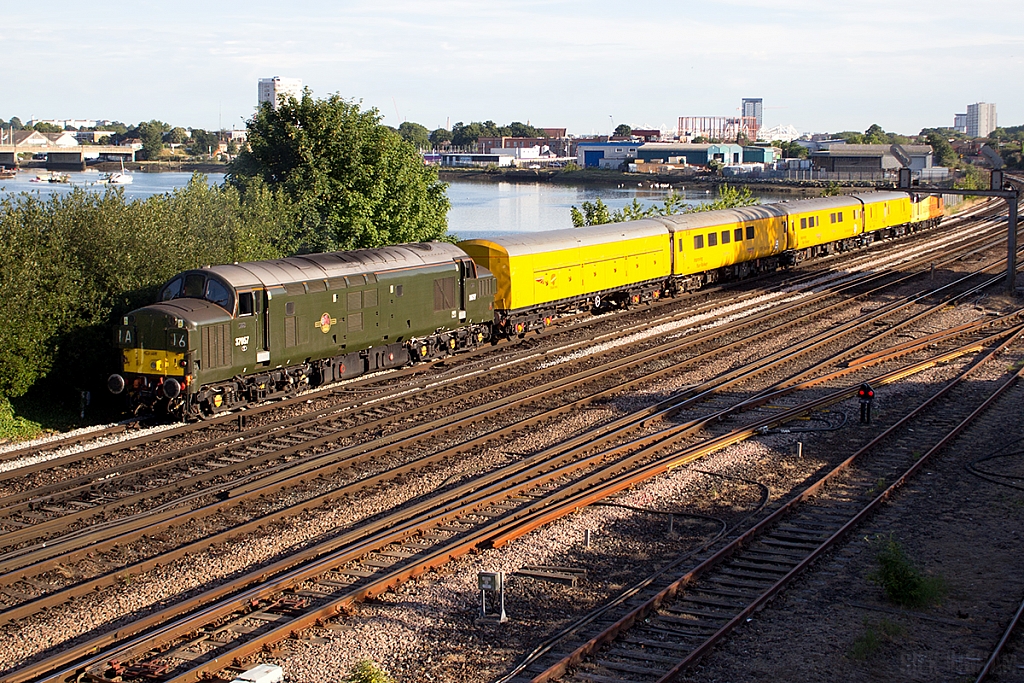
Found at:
[586, 65]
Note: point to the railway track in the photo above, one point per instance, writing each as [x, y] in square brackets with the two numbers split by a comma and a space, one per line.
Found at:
[667, 628]
[360, 586]
[62, 549]
[448, 553]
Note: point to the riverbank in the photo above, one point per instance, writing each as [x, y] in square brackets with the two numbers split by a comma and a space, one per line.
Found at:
[143, 166]
[598, 178]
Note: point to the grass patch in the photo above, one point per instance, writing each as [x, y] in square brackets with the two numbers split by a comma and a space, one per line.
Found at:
[872, 638]
[368, 672]
[15, 427]
[903, 583]
[864, 645]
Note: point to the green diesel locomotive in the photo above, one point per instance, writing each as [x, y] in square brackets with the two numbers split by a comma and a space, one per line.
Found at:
[229, 335]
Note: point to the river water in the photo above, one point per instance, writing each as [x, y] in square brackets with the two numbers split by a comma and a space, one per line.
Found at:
[479, 209]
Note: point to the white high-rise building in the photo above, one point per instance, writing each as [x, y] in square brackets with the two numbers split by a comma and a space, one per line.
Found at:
[981, 119]
[271, 89]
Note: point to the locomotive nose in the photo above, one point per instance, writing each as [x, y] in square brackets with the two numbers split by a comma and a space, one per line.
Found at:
[115, 383]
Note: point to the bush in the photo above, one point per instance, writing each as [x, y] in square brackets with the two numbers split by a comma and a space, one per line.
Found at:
[903, 583]
[368, 672]
[74, 264]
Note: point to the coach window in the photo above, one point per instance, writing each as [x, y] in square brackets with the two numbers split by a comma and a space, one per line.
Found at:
[839, 217]
[725, 237]
[803, 223]
[737, 235]
[698, 241]
[712, 239]
[750, 232]
[245, 303]
[832, 217]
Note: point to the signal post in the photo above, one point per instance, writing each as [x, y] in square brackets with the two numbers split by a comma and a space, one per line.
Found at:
[998, 188]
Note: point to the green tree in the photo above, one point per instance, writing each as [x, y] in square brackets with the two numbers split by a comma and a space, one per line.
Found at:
[353, 182]
[16, 123]
[176, 136]
[623, 130]
[418, 135]
[942, 151]
[203, 142]
[44, 127]
[831, 189]
[152, 135]
[440, 137]
[791, 150]
[876, 135]
[464, 135]
[523, 130]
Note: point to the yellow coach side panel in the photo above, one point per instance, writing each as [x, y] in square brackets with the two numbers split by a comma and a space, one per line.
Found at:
[588, 269]
[714, 246]
[808, 228]
[885, 210]
[539, 269]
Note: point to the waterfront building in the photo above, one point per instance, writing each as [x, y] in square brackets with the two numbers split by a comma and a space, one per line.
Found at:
[272, 89]
[981, 119]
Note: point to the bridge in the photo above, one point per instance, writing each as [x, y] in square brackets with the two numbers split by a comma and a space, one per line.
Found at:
[70, 158]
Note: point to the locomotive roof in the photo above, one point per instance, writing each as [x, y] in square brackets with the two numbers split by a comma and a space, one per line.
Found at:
[307, 267]
[521, 244]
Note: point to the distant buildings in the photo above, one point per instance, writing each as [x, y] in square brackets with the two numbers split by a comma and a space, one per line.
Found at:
[751, 106]
[960, 123]
[981, 119]
[272, 89]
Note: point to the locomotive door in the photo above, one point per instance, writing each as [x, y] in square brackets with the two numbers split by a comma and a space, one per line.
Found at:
[469, 285]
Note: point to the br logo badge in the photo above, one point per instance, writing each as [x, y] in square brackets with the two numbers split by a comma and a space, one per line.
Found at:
[325, 322]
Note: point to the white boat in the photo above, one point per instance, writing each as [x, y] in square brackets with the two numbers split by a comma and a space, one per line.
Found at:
[116, 178]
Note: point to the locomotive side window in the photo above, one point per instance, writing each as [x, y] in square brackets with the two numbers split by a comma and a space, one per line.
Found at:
[737, 235]
[172, 290]
[193, 288]
[245, 303]
[712, 239]
[398, 290]
[698, 241]
[218, 294]
[289, 308]
[750, 232]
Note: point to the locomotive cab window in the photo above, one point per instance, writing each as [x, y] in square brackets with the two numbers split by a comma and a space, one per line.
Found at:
[193, 288]
[217, 293]
[172, 290]
[245, 303]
